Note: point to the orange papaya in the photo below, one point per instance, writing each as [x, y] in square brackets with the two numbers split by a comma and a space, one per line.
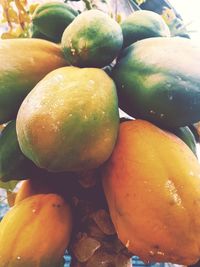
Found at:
[24, 62]
[152, 186]
[35, 232]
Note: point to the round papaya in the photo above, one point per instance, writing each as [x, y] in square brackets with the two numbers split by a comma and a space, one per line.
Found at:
[51, 19]
[35, 232]
[93, 39]
[152, 186]
[158, 79]
[143, 24]
[69, 121]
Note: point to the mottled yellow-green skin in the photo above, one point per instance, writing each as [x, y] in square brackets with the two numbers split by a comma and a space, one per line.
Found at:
[69, 121]
[24, 62]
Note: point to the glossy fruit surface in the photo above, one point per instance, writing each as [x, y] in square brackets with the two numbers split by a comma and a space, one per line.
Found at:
[152, 185]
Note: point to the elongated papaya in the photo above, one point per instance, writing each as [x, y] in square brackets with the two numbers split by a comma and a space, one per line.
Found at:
[24, 62]
[158, 79]
[152, 185]
[35, 232]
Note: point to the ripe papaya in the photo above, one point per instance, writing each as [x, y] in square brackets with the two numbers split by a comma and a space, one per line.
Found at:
[35, 232]
[51, 19]
[158, 79]
[75, 125]
[24, 62]
[152, 186]
[93, 39]
[143, 24]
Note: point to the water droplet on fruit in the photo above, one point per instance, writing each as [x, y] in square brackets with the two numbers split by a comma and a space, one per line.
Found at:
[18, 258]
[127, 244]
[33, 210]
[160, 253]
[151, 253]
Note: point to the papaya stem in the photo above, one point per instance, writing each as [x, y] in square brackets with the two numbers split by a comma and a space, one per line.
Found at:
[88, 4]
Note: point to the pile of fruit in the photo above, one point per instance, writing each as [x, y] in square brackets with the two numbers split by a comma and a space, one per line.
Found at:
[100, 186]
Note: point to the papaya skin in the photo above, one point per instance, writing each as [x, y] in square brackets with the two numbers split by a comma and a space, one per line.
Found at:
[52, 18]
[152, 186]
[70, 120]
[93, 39]
[159, 82]
[41, 227]
[143, 24]
[24, 62]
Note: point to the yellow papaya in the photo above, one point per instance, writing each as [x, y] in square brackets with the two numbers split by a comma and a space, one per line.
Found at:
[24, 62]
[35, 232]
[152, 186]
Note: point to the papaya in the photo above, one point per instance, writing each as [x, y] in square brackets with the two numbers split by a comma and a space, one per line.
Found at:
[143, 24]
[75, 125]
[51, 19]
[187, 136]
[158, 79]
[93, 39]
[13, 164]
[35, 232]
[24, 62]
[35, 33]
[152, 186]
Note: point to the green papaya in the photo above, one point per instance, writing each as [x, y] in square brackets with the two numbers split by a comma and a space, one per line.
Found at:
[187, 136]
[143, 24]
[93, 39]
[158, 79]
[13, 164]
[35, 33]
[52, 18]
[24, 62]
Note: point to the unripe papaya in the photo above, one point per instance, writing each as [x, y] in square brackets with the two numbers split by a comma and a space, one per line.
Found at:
[93, 39]
[158, 79]
[35, 232]
[24, 62]
[13, 164]
[52, 18]
[152, 185]
[187, 136]
[75, 125]
[143, 24]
